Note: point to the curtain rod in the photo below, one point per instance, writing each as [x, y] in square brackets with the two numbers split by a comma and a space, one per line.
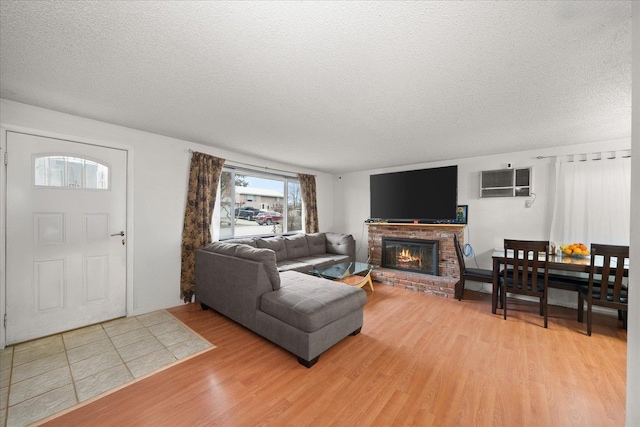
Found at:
[265, 168]
[612, 155]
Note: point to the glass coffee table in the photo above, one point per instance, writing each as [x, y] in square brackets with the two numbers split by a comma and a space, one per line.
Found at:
[352, 273]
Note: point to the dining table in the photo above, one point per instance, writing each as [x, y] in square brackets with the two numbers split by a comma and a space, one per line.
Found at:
[557, 263]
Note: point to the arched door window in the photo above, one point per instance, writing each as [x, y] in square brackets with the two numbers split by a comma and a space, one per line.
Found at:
[70, 172]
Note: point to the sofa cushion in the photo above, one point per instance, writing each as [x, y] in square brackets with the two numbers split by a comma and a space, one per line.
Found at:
[317, 243]
[325, 260]
[251, 241]
[276, 244]
[266, 257]
[296, 246]
[294, 264]
[309, 303]
[223, 248]
[339, 243]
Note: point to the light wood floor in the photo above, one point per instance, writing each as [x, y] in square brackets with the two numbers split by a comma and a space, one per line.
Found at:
[419, 360]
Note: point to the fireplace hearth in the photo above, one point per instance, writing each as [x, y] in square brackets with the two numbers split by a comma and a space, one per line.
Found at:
[415, 255]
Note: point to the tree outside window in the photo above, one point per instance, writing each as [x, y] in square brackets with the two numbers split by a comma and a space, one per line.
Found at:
[294, 206]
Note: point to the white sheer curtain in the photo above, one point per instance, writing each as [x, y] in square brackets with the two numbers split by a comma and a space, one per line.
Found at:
[215, 219]
[592, 202]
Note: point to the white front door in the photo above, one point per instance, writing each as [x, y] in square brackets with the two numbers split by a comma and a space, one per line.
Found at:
[65, 257]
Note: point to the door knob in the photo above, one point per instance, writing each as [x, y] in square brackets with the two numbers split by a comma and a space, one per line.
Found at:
[118, 234]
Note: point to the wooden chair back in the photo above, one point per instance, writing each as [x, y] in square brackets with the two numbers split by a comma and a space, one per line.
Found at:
[613, 272]
[609, 289]
[473, 274]
[461, 265]
[525, 273]
[526, 263]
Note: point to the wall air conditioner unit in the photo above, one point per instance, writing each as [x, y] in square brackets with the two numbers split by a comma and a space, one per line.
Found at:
[516, 182]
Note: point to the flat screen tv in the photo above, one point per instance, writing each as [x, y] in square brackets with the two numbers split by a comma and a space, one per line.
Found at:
[425, 195]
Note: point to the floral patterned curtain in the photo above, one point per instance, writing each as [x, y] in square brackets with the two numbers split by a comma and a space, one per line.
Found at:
[308, 188]
[201, 198]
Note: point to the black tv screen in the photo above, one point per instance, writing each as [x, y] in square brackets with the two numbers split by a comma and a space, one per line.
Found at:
[427, 195]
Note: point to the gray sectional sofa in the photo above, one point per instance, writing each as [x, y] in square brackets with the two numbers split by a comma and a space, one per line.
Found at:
[260, 284]
[303, 252]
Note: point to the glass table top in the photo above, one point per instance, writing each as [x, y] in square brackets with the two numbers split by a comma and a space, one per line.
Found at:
[343, 270]
[561, 259]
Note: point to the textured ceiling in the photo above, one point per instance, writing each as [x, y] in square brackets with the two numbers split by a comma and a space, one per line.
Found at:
[331, 86]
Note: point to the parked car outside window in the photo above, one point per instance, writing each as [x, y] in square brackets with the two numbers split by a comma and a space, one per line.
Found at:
[269, 218]
[247, 212]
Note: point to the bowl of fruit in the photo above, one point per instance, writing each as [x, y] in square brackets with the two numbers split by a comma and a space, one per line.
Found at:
[574, 250]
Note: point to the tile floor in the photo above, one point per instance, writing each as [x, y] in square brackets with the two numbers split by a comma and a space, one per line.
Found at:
[42, 377]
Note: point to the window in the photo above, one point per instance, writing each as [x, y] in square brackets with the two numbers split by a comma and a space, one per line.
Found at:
[70, 172]
[251, 203]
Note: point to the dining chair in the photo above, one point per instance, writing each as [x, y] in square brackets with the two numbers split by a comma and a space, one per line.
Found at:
[613, 272]
[526, 273]
[473, 274]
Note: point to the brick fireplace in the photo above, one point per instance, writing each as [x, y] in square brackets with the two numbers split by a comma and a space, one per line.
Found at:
[442, 284]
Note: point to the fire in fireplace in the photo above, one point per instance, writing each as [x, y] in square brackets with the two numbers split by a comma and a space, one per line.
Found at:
[411, 255]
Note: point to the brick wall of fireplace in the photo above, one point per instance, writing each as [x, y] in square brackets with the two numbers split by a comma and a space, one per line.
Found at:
[449, 273]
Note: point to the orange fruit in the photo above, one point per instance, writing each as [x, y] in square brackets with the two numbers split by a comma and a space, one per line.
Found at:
[567, 251]
[577, 251]
[573, 246]
[583, 247]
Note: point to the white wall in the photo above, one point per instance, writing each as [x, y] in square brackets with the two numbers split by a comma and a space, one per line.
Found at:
[491, 220]
[633, 332]
[161, 169]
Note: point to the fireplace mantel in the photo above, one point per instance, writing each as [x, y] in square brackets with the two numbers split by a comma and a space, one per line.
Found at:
[409, 224]
[449, 274]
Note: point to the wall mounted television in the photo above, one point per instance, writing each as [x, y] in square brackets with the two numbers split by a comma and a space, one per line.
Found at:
[425, 195]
